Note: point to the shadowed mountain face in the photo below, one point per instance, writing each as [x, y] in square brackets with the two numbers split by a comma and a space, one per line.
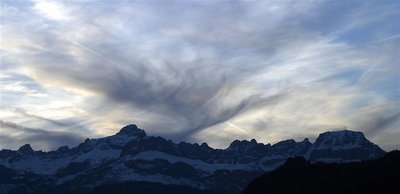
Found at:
[299, 176]
[132, 162]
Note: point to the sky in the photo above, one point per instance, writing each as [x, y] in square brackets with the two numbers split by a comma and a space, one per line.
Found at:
[198, 71]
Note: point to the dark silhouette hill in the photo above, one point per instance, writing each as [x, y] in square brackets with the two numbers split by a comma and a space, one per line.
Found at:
[300, 176]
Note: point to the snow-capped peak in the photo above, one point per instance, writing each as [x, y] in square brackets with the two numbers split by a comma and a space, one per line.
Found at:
[340, 139]
[343, 146]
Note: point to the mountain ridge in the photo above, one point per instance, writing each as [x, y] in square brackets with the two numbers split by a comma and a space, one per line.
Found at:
[131, 155]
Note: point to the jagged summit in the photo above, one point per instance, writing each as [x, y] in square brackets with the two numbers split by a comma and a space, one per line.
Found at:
[26, 149]
[132, 130]
[306, 140]
[237, 144]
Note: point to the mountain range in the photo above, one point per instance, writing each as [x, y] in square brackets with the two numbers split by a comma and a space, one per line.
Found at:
[133, 162]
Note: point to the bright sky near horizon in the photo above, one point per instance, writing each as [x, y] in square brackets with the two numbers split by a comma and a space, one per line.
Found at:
[199, 71]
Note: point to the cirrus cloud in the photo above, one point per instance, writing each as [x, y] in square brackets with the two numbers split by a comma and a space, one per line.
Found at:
[204, 71]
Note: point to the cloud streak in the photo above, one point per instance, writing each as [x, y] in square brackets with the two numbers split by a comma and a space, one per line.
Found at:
[41, 139]
[196, 70]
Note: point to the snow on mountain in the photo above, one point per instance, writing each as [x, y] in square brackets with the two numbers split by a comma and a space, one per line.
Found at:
[95, 151]
[131, 155]
[340, 140]
[343, 146]
[197, 164]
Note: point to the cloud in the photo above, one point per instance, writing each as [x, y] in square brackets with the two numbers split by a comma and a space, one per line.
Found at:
[41, 139]
[24, 113]
[378, 118]
[52, 10]
[195, 70]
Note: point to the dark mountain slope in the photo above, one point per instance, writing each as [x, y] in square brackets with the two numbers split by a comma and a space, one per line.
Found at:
[299, 176]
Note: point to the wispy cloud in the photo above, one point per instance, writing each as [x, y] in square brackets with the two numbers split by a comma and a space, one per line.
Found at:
[13, 134]
[205, 71]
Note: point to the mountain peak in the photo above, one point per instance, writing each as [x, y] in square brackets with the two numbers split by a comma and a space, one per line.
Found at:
[132, 130]
[328, 145]
[306, 140]
[63, 149]
[287, 142]
[343, 132]
[26, 149]
[341, 137]
[239, 144]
